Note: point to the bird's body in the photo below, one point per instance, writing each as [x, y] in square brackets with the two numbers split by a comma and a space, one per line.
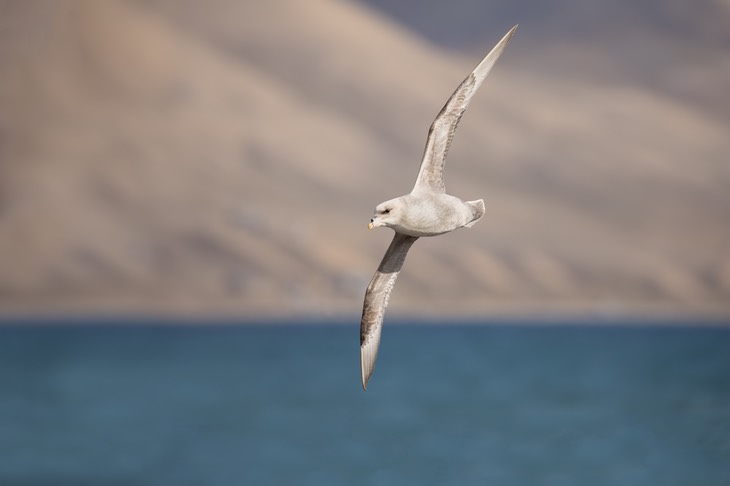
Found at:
[426, 211]
[432, 214]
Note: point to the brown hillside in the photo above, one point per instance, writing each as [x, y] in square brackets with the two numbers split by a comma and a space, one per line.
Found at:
[180, 157]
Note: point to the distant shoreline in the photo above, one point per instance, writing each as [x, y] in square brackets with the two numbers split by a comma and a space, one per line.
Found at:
[586, 319]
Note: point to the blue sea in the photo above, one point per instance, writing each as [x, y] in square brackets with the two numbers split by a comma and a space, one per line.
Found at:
[278, 404]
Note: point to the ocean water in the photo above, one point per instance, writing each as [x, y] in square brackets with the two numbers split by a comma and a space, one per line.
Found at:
[282, 404]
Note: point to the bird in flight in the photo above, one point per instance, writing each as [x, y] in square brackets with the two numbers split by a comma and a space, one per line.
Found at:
[426, 211]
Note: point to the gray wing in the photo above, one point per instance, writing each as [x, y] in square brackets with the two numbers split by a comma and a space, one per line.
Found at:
[376, 300]
[431, 174]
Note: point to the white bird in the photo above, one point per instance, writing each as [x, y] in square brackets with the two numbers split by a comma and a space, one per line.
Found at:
[426, 211]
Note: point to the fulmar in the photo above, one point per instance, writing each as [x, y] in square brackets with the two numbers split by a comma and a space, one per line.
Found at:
[426, 211]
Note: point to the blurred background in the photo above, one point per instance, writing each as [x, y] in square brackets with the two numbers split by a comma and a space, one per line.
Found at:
[223, 158]
[167, 162]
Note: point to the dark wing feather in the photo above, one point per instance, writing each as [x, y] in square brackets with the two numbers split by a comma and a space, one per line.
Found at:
[376, 300]
[431, 174]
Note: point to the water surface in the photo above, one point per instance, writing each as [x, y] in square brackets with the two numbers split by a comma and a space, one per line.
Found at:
[502, 405]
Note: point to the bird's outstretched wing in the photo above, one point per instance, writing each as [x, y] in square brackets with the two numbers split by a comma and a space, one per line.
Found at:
[376, 300]
[431, 174]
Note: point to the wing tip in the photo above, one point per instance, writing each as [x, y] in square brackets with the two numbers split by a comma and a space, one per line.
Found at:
[483, 68]
[366, 369]
[508, 35]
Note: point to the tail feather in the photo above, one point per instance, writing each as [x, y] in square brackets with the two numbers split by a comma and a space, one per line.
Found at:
[477, 209]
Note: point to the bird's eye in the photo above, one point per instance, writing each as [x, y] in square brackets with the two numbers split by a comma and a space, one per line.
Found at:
[386, 210]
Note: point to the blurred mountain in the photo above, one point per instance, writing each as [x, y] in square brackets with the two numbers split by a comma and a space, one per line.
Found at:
[225, 157]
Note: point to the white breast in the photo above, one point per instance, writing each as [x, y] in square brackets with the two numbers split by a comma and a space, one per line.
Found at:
[433, 214]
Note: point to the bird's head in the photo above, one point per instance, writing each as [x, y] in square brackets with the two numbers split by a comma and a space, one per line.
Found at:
[386, 214]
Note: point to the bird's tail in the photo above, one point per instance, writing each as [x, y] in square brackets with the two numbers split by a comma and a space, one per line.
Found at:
[477, 211]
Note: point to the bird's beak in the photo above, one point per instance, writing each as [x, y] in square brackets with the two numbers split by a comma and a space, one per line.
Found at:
[371, 225]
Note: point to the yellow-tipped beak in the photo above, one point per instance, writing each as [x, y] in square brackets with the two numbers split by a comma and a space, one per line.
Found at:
[370, 225]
